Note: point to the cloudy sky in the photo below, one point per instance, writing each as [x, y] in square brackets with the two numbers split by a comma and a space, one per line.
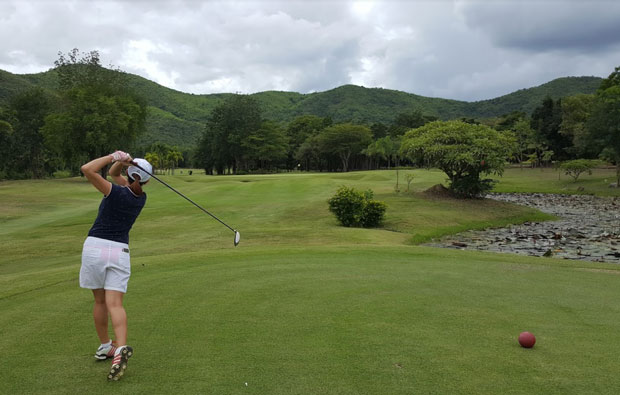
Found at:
[456, 49]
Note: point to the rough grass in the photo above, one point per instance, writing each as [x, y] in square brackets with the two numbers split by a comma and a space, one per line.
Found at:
[302, 306]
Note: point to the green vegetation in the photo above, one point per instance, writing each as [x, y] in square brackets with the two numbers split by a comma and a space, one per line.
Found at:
[171, 110]
[574, 168]
[356, 208]
[463, 151]
[302, 305]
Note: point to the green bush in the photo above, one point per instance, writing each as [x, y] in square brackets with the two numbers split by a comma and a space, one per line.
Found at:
[355, 208]
[574, 168]
[62, 174]
[472, 186]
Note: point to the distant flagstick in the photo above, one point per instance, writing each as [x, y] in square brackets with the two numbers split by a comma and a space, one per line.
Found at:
[237, 235]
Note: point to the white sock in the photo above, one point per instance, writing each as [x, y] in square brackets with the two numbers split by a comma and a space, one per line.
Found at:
[106, 344]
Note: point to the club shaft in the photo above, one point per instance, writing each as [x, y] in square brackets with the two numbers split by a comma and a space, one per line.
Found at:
[183, 196]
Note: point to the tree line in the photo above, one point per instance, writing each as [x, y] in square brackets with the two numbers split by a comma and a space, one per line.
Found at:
[93, 112]
[237, 139]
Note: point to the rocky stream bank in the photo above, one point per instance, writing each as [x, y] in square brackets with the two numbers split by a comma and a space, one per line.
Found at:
[588, 229]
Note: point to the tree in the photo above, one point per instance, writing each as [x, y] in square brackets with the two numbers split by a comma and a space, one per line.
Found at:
[267, 146]
[525, 138]
[99, 113]
[230, 125]
[302, 127]
[546, 121]
[409, 120]
[463, 151]
[77, 69]
[378, 130]
[575, 114]
[386, 148]
[309, 153]
[29, 110]
[154, 159]
[173, 157]
[604, 123]
[6, 136]
[574, 168]
[95, 121]
[345, 140]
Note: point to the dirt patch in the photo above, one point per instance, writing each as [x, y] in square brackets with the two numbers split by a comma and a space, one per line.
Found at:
[439, 191]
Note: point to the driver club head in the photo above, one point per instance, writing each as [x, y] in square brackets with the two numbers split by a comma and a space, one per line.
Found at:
[237, 238]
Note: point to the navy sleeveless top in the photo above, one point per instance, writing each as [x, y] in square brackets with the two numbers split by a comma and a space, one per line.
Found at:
[117, 213]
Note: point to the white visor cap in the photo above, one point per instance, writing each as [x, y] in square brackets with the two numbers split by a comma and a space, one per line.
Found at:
[144, 164]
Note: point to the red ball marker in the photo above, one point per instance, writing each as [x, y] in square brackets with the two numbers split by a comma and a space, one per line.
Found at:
[527, 340]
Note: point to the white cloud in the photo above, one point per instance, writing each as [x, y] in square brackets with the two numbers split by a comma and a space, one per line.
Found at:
[461, 49]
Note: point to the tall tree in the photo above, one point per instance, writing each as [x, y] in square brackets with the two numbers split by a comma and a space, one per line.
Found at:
[604, 122]
[29, 109]
[99, 112]
[230, 125]
[309, 153]
[6, 137]
[409, 120]
[299, 130]
[267, 146]
[575, 113]
[546, 121]
[345, 140]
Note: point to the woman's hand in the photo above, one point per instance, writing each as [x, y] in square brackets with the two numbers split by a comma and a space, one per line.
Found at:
[120, 156]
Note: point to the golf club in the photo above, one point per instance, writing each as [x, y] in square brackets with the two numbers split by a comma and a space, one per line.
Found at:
[237, 235]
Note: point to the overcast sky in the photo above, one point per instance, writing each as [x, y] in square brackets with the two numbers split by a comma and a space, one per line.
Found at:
[462, 49]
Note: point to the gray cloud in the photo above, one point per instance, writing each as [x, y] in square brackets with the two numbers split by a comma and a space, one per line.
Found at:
[588, 26]
[453, 49]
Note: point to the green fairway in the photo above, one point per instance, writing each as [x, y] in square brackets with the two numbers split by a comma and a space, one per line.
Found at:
[302, 305]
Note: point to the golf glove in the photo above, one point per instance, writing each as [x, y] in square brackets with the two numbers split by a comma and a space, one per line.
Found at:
[120, 156]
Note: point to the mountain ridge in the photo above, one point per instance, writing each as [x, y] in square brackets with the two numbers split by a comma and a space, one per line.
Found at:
[178, 118]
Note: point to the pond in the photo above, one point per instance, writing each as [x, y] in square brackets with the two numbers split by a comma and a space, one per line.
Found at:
[588, 229]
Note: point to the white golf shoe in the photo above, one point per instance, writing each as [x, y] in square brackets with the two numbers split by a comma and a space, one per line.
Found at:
[105, 352]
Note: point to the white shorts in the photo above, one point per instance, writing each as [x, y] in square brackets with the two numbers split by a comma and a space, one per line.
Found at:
[105, 264]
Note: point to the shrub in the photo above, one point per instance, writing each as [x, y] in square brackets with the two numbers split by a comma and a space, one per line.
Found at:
[62, 174]
[574, 168]
[355, 208]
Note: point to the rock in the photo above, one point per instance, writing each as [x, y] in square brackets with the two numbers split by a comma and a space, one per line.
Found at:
[589, 228]
[613, 185]
[548, 254]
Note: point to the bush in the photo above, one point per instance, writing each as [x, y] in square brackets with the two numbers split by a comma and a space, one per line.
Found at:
[574, 168]
[471, 186]
[61, 174]
[355, 208]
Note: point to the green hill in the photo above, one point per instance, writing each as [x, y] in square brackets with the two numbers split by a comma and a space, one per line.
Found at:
[178, 118]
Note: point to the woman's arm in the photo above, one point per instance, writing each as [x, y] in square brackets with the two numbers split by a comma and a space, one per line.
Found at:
[115, 173]
[91, 172]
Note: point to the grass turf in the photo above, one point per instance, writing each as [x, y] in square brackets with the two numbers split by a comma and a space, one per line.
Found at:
[302, 305]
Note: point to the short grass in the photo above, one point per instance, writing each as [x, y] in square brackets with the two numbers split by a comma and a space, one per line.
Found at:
[302, 305]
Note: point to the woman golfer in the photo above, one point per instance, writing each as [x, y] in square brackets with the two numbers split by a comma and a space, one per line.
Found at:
[105, 256]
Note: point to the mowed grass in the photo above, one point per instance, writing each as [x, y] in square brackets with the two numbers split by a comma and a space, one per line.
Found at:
[302, 305]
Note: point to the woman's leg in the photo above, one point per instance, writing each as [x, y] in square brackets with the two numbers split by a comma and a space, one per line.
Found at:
[100, 314]
[114, 305]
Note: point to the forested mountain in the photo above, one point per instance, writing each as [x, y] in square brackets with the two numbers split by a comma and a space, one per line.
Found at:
[178, 118]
